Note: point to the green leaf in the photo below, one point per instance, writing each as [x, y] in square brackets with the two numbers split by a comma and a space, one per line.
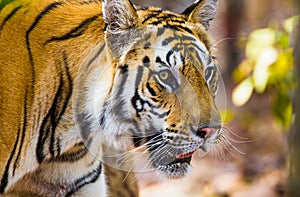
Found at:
[267, 56]
[282, 108]
[242, 93]
[280, 70]
[226, 115]
[243, 70]
[291, 22]
[258, 40]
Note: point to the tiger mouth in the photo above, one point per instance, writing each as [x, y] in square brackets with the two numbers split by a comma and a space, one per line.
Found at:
[185, 155]
[181, 160]
[179, 167]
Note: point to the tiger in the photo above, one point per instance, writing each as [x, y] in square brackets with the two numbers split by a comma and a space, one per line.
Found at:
[82, 79]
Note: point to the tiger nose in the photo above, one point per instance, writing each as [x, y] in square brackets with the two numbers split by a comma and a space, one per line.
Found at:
[206, 132]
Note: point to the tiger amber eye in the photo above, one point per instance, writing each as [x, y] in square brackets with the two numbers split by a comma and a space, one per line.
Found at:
[164, 75]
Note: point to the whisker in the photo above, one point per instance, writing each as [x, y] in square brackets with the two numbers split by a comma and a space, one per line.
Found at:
[224, 156]
[130, 169]
[233, 146]
[157, 141]
[160, 153]
[236, 135]
[222, 40]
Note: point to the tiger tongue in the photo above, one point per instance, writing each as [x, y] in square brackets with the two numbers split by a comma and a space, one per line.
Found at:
[185, 155]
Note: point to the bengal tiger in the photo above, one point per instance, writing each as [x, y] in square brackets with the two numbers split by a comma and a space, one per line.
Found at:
[82, 78]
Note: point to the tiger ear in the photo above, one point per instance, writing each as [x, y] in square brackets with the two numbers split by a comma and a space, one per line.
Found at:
[201, 11]
[119, 14]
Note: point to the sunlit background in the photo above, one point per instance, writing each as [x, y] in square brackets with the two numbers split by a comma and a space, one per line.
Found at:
[254, 42]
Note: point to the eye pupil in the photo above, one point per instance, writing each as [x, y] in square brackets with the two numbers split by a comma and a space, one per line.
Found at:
[164, 75]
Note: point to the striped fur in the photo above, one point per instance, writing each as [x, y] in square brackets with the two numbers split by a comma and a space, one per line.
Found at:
[83, 77]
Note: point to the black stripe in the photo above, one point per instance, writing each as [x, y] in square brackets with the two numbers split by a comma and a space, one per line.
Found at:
[209, 71]
[160, 31]
[158, 60]
[185, 29]
[88, 2]
[164, 114]
[9, 16]
[196, 46]
[72, 157]
[185, 37]
[146, 60]
[41, 140]
[137, 141]
[139, 76]
[58, 145]
[134, 101]
[124, 68]
[49, 124]
[168, 40]
[31, 28]
[4, 180]
[142, 7]
[52, 118]
[150, 16]
[160, 115]
[75, 32]
[91, 177]
[97, 54]
[169, 56]
[169, 25]
[118, 108]
[178, 28]
[147, 45]
[84, 124]
[150, 89]
[49, 8]
[23, 134]
[131, 4]
[180, 21]
[67, 89]
[163, 18]
[191, 8]
[169, 18]
[122, 85]
[102, 117]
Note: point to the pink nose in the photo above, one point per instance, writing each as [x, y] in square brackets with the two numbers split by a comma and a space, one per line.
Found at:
[206, 132]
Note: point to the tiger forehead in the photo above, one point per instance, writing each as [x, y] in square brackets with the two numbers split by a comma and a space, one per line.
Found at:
[162, 18]
[151, 15]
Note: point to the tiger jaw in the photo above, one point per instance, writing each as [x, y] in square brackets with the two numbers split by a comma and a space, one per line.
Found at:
[178, 168]
[179, 165]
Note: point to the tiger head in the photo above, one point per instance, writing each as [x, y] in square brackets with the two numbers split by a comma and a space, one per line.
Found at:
[153, 83]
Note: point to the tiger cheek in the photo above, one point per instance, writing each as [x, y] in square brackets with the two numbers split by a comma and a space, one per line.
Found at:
[175, 111]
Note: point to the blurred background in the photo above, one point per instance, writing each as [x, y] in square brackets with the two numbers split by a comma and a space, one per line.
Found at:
[255, 42]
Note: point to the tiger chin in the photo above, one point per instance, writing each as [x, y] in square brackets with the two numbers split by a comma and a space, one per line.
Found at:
[85, 80]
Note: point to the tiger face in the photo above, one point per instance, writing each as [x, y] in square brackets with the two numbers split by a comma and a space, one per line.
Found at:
[163, 80]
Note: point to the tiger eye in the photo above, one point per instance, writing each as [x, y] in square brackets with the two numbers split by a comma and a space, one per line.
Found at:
[164, 75]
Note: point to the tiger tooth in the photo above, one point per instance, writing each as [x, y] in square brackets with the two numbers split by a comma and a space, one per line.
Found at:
[171, 154]
[185, 155]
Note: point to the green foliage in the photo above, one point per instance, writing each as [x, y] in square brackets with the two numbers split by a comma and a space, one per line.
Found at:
[269, 65]
[3, 3]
